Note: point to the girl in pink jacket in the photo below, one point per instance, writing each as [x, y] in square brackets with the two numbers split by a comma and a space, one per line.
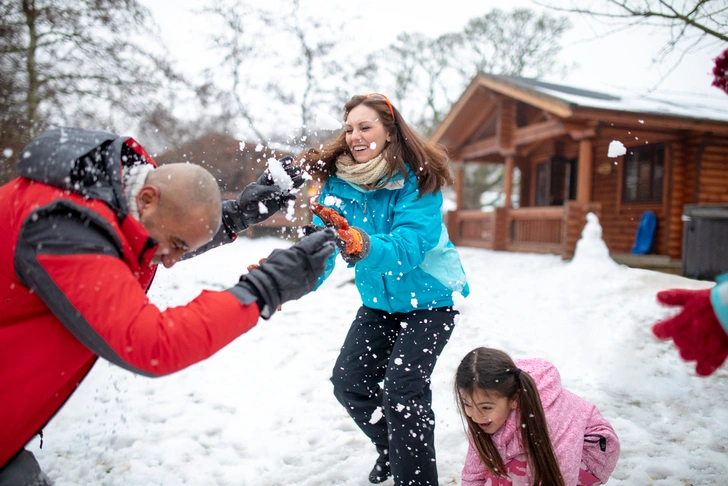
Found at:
[524, 429]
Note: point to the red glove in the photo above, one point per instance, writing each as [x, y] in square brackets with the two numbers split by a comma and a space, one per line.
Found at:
[696, 331]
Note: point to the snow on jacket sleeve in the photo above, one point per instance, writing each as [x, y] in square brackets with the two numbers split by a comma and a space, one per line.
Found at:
[416, 229]
[72, 260]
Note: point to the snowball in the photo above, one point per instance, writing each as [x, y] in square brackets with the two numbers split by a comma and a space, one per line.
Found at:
[7, 153]
[616, 148]
[279, 175]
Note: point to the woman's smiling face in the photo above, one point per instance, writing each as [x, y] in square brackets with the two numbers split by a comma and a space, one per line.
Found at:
[365, 133]
[489, 410]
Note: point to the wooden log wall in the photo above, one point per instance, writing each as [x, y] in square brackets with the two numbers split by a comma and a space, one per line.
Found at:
[679, 191]
[700, 176]
[713, 172]
[619, 220]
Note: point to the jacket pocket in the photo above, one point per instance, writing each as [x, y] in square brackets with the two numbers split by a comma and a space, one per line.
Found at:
[597, 439]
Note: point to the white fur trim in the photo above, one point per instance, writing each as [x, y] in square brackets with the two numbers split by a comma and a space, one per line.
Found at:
[134, 179]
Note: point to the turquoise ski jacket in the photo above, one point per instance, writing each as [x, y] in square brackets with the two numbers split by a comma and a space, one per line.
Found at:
[412, 264]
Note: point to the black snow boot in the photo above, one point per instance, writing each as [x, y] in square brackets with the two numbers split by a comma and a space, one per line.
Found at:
[380, 471]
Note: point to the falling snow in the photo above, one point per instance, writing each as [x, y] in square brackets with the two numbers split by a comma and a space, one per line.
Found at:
[262, 408]
[376, 415]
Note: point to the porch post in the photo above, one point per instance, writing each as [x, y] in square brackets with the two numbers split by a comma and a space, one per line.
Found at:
[508, 183]
[459, 177]
[584, 182]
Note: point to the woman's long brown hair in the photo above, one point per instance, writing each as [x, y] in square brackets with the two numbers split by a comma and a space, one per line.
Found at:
[429, 161]
[493, 371]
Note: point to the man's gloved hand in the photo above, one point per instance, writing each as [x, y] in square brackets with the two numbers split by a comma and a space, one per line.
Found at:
[289, 274]
[261, 199]
[696, 331]
[353, 242]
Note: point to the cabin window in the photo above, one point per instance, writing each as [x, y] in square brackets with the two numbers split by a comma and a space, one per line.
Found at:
[555, 181]
[644, 173]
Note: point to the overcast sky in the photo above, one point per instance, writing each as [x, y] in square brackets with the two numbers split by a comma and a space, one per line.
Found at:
[603, 56]
[620, 59]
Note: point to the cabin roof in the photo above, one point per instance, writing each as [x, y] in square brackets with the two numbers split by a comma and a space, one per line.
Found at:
[690, 106]
[578, 105]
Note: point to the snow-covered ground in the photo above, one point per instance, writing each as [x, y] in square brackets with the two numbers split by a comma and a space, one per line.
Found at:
[261, 411]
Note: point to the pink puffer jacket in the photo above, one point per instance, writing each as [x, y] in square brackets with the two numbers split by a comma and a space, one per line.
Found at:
[569, 417]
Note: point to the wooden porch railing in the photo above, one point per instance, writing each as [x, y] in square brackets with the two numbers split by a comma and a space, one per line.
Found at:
[536, 230]
[554, 229]
[473, 227]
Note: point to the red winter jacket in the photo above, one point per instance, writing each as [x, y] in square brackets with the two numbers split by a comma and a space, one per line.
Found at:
[74, 270]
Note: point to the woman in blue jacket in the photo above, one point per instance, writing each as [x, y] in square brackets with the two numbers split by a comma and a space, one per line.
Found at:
[385, 180]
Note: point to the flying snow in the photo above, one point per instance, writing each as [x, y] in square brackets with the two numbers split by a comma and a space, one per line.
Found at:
[616, 148]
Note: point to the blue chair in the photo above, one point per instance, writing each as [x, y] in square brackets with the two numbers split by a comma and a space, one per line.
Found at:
[645, 234]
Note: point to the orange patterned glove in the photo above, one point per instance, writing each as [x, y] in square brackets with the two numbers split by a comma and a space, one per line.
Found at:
[353, 242]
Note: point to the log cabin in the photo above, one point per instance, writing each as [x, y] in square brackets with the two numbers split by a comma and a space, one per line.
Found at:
[558, 140]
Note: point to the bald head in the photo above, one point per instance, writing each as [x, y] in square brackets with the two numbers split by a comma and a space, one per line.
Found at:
[181, 209]
[187, 189]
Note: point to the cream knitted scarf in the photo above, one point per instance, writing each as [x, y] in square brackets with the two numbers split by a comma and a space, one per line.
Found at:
[366, 174]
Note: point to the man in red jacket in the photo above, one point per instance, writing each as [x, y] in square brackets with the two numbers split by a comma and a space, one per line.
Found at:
[84, 227]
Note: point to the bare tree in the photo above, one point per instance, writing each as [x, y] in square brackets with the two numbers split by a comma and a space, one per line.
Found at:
[75, 54]
[517, 43]
[427, 74]
[80, 62]
[240, 43]
[691, 23]
[314, 62]
[282, 56]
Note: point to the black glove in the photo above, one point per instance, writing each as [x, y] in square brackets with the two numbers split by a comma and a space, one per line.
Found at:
[344, 241]
[237, 215]
[288, 274]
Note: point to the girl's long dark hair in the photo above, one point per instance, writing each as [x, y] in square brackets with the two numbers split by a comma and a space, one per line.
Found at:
[493, 371]
[429, 161]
